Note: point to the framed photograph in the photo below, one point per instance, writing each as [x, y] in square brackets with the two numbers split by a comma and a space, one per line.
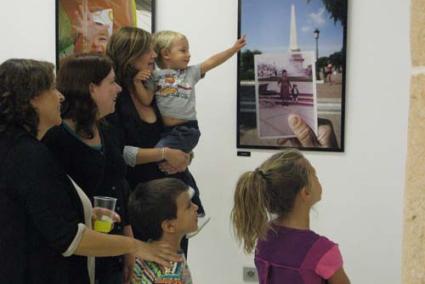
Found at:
[291, 74]
[284, 85]
[86, 25]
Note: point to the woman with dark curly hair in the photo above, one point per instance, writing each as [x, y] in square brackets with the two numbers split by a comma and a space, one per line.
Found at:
[46, 217]
[86, 147]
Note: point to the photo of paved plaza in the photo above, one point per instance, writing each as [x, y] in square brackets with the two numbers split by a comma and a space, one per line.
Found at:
[295, 28]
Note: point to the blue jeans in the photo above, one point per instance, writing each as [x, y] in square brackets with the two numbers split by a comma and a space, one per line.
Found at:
[183, 137]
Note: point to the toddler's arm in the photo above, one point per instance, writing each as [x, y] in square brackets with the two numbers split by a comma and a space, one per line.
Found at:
[221, 57]
[143, 94]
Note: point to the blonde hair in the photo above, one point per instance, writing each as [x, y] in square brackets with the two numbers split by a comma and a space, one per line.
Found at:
[163, 40]
[269, 189]
[124, 47]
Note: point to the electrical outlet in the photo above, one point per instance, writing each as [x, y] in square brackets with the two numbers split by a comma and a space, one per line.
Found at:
[249, 274]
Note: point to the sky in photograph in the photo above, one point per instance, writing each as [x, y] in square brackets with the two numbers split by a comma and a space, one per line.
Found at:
[266, 24]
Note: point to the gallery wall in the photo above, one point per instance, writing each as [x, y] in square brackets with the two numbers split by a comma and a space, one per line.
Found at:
[363, 188]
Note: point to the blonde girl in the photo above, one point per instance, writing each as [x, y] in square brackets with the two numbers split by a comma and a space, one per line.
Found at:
[286, 187]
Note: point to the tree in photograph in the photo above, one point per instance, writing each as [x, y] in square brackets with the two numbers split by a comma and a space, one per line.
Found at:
[337, 9]
[247, 64]
[337, 60]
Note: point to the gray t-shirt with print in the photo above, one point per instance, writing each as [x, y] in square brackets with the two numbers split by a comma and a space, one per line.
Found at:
[174, 91]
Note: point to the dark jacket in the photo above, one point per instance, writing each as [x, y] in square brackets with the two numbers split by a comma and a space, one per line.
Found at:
[98, 172]
[40, 212]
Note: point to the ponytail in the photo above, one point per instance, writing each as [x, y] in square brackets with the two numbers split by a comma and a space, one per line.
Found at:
[270, 189]
[250, 212]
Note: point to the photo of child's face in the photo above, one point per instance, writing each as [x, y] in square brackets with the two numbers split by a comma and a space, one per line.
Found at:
[86, 25]
[100, 38]
[187, 216]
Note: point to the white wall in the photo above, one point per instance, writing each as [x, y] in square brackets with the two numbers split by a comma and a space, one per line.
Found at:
[363, 187]
[27, 29]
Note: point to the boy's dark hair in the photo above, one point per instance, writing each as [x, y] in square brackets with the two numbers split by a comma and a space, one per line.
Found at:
[151, 203]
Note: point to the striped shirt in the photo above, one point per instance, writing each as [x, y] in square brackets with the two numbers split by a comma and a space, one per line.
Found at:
[147, 272]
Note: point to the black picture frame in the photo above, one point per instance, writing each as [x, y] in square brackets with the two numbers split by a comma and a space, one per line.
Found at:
[251, 22]
[65, 31]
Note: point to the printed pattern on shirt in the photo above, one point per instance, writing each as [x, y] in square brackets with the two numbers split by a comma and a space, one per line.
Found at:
[147, 272]
[170, 84]
[175, 91]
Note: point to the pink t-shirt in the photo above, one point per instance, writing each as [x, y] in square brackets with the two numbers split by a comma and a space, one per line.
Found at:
[330, 262]
[296, 256]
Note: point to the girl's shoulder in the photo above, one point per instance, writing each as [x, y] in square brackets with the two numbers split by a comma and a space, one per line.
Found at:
[324, 257]
[322, 244]
[304, 251]
[284, 238]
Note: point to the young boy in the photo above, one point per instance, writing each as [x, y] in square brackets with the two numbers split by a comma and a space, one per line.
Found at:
[162, 211]
[295, 92]
[173, 85]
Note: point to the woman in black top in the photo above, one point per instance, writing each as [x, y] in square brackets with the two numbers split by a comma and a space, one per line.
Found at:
[141, 126]
[86, 148]
[45, 218]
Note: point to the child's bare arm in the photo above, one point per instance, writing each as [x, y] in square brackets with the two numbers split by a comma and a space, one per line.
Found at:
[221, 57]
[339, 277]
[143, 95]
